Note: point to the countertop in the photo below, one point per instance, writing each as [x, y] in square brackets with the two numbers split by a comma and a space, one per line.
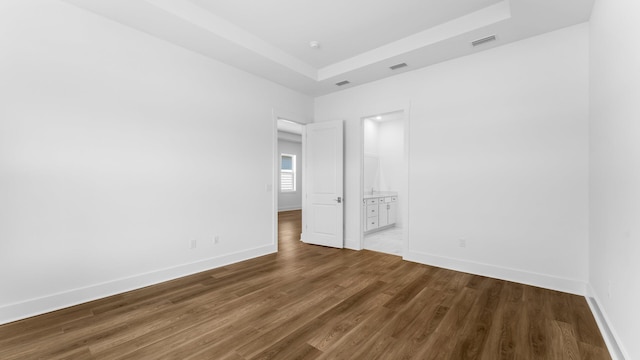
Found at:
[377, 194]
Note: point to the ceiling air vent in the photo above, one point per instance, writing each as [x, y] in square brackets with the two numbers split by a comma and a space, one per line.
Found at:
[341, 83]
[483, 40]
[397, 66]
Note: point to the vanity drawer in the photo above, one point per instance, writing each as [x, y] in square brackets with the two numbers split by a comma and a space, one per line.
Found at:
[372, 201]
[372, 210]
[372, 223]
[381, 200]
[394, 198]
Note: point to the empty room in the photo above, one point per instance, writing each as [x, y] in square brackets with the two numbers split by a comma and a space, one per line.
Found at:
[297, 179]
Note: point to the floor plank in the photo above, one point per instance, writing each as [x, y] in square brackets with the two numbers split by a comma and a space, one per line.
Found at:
[313, 302]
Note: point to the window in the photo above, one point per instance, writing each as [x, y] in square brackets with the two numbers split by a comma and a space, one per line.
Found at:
[287, 173]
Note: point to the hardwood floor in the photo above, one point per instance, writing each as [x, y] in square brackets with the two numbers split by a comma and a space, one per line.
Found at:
[311, 302]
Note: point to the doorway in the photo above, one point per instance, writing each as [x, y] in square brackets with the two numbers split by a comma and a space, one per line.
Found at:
[314, 177]
[384, 182]
[288, 186]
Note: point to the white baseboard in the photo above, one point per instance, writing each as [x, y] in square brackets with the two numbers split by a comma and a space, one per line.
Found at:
[616, 349]
[38, 306]
[289, 208]
[540, 280]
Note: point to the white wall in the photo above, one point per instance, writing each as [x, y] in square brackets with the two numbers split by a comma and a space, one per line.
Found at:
[498, 153]
[116, 150]
[291, 200]
[615, 169]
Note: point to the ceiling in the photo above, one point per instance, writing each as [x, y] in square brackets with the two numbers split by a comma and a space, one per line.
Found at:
[392, 116]
[344, 28]
[358, 39]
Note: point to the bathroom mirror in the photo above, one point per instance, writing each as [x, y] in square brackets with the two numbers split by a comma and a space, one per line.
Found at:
[371, 173]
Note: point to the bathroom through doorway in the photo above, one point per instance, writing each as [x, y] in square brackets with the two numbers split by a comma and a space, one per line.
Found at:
[384, 182]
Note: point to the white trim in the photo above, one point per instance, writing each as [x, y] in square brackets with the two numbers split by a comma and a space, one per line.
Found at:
[61, 300]
[407, 181]
[571, 286]
[305, 175]
[406, 118]
[275, 179]
[609, 334]
[349, 243]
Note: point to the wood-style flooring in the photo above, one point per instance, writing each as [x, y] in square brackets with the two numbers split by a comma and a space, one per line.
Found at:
[312, 302]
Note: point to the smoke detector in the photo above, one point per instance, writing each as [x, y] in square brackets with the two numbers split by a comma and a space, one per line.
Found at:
[314, 44]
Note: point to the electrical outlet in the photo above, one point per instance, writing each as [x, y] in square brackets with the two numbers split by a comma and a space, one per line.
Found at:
[462, 243]
[216, 239]
[193, 244]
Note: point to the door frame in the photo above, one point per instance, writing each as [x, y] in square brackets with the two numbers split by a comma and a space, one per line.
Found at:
[404, 210]
[277, 114]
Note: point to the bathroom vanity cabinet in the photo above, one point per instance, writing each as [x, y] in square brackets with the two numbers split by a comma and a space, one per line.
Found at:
[381, 211]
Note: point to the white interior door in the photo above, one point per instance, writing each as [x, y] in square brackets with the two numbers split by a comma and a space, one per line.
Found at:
[323, 205]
